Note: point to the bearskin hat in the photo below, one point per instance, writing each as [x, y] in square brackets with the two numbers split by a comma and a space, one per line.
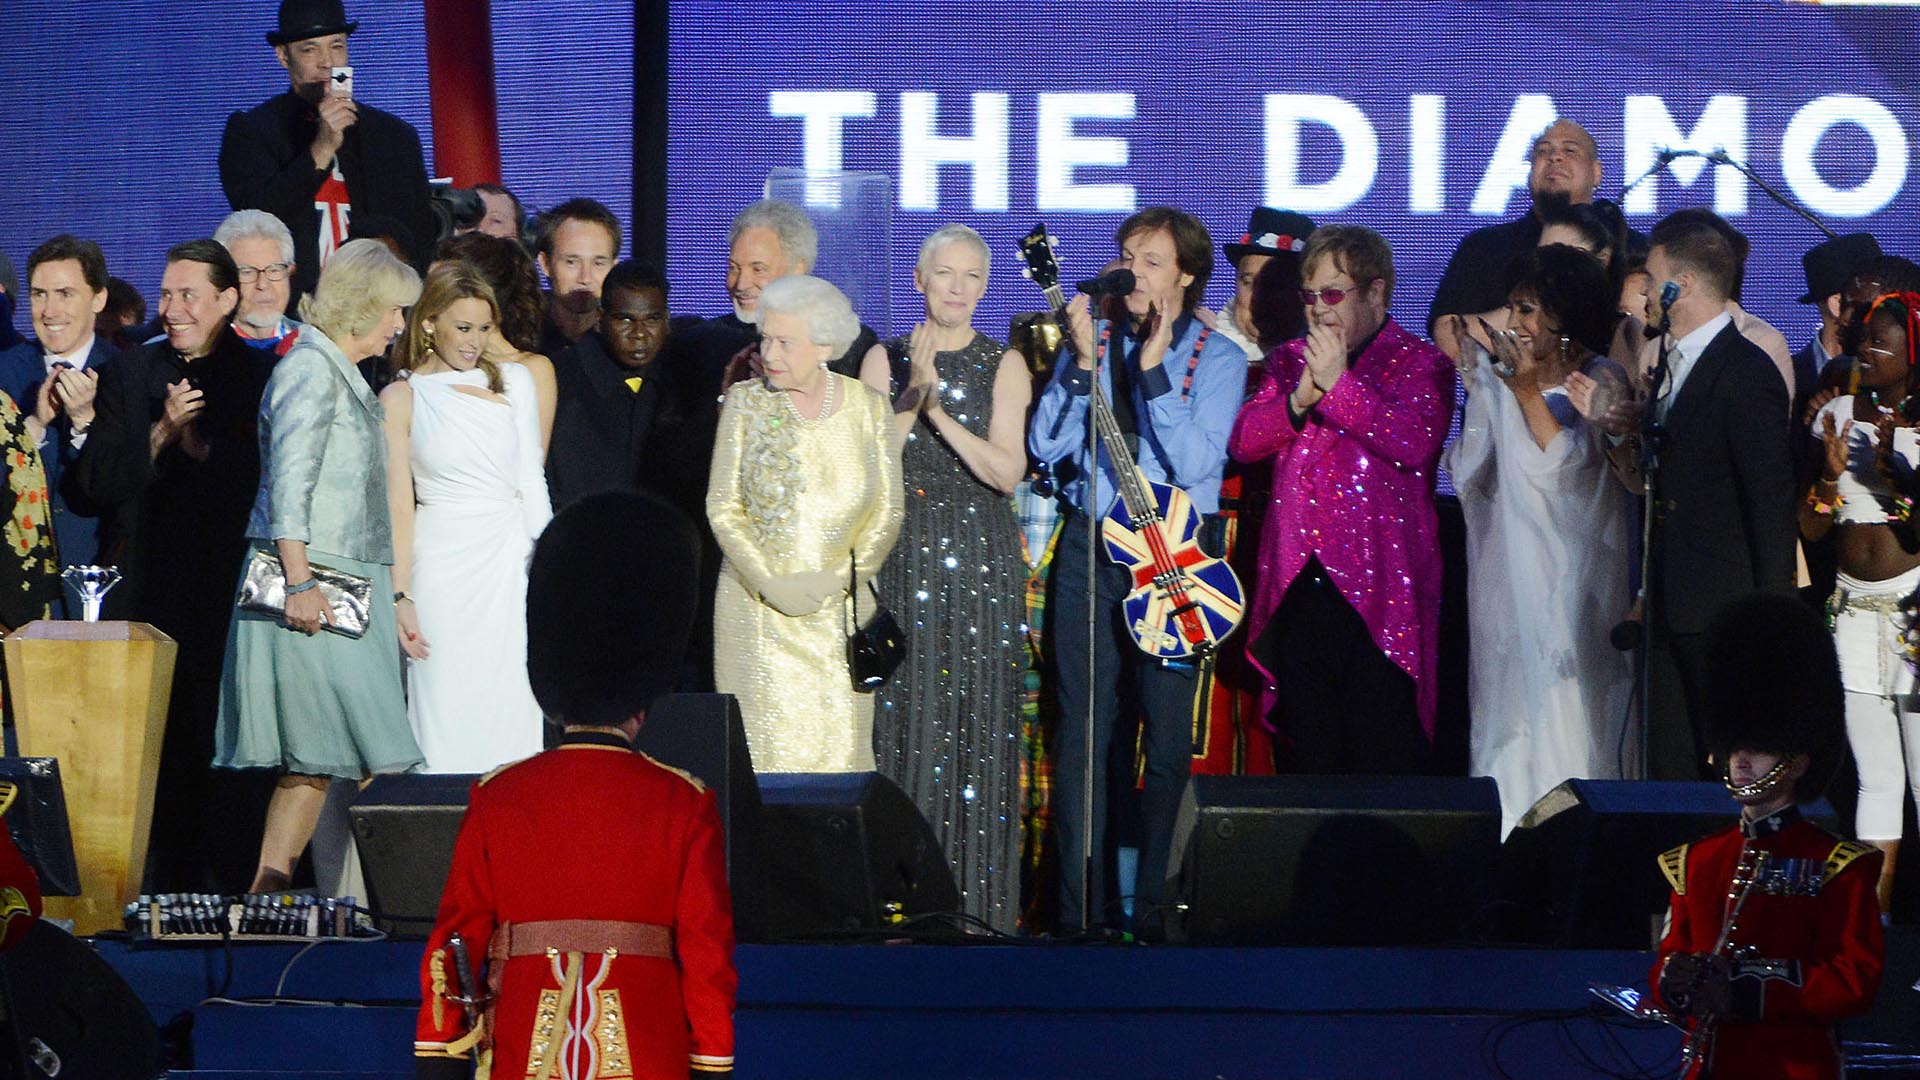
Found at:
[611, 596]
[1772, 683]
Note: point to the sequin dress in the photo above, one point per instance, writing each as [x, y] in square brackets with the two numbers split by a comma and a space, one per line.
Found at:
[788, 496]
[947, 727]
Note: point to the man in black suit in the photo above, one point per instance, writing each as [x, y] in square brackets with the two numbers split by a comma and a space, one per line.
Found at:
[1723, 518]
[314, 157]
[54, 380]
[629, 416]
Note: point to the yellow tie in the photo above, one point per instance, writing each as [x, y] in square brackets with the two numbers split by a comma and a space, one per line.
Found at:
[633, 384]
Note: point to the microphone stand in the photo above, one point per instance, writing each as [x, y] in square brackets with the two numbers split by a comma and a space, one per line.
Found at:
[1719, 156]
[1653, 435]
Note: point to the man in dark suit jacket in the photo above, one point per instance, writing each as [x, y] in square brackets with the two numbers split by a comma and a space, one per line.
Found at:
[314, 157]
[1724, 495]
[633, 414]
[55, 379]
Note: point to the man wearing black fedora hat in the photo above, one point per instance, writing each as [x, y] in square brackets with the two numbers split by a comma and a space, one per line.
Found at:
[315, 157]
[1828, 265]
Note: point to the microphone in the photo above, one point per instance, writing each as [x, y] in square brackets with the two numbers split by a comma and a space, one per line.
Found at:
[1113, 283]
[1669, 292]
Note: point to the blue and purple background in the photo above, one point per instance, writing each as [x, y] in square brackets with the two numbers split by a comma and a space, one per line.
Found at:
[113, 118]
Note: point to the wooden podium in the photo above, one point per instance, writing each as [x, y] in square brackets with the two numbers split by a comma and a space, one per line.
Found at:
[94, 695]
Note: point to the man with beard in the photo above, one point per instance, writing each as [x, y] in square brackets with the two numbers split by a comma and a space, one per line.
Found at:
[262, 250]
[1565, 169]
[769, 239]
[54, 380]
[172, 462]
[575, 244]
[314, 157]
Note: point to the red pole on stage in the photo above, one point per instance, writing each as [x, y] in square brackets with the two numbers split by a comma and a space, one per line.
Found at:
[466, 131]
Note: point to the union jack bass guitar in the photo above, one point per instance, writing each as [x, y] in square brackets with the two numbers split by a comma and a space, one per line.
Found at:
[1184, 602]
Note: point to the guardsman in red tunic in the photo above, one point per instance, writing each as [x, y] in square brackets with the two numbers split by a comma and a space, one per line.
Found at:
[589, 880]
[1773, 934]
[19, 885]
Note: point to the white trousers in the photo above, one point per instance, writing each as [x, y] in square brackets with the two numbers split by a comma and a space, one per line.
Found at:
[1882, 725]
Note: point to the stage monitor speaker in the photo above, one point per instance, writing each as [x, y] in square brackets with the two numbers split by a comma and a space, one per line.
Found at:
[702, 734]
[37, 821]
[1331, 860]
[842, 851]
[68, 1013]
[404, 826]
[1579, 869]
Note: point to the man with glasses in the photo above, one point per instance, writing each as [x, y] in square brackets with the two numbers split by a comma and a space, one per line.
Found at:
[262, 250]
[1346, 613]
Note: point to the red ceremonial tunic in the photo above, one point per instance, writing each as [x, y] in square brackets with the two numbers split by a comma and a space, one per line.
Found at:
[1807, 945]
[19, 885]
[593, 832]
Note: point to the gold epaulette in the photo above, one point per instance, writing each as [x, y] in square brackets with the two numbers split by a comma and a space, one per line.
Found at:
[681, 773]
[1844, 854]
[9, 791]
[1674, 865]
[482, 781]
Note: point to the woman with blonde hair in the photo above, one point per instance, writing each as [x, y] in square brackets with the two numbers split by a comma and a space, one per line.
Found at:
[467, 490]
[519, 306]
[321, 706]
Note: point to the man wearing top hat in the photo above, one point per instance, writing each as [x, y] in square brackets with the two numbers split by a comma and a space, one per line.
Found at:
[1273, 238]
[1773, 932]
[590, 879]
[315, 157]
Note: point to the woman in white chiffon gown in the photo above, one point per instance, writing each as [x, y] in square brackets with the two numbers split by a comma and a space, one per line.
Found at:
[1547, 539]
[466, 479]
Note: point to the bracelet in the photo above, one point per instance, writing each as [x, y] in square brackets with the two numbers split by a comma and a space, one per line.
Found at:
[402, 595]
[306, 586]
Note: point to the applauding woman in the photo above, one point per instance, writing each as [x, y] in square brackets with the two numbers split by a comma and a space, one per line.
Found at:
[321, 706]
[947, 728]
[467, 485]
[1869, 442]
[804, 496]
[1547, 534]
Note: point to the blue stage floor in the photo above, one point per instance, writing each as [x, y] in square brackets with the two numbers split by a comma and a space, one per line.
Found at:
[1033, 1011]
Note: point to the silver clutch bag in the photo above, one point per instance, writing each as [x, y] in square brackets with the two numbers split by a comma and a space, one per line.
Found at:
[265, 590]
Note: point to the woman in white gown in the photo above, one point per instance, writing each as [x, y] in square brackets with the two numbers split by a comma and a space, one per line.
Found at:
[1547, 540]
[466, 479]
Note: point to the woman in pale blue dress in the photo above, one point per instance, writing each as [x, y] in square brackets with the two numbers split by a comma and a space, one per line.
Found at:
[320, 706]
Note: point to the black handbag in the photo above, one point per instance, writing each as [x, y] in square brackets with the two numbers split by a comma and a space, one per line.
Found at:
[878, 646]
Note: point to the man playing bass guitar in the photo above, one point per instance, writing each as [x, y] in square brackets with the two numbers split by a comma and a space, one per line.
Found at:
[1175, 387]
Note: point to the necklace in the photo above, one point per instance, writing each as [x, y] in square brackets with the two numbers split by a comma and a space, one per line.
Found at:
[827, 401]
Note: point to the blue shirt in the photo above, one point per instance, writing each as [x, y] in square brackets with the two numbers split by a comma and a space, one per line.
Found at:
[1183, 432]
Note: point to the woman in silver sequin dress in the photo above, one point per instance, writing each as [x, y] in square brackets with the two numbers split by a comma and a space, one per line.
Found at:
[947, 727]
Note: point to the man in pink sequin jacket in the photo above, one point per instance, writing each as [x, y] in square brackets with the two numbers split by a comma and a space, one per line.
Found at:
[1346, 611]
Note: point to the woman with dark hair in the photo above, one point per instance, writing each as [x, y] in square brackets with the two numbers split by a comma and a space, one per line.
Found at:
[1547, 539]
[509, 272]
[1868, 440]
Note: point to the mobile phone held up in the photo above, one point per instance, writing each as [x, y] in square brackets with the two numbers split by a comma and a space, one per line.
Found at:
[340, 82]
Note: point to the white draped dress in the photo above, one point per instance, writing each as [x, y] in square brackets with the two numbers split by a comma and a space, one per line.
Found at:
[1548, 563]
[480, 489]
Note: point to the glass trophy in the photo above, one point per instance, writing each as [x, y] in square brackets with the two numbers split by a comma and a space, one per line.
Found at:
[91, 584]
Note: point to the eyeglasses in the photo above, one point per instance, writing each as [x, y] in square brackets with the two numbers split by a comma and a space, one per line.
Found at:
[1329, 296]
[276, 272]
